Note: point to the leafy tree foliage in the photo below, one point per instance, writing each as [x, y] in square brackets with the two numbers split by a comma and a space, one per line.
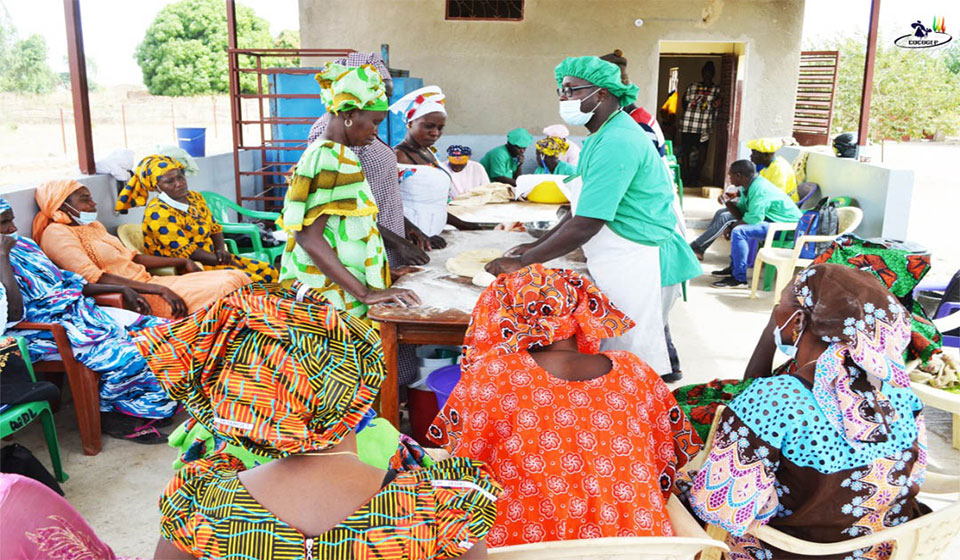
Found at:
[914, 91]
[184, 51]
[23, 62]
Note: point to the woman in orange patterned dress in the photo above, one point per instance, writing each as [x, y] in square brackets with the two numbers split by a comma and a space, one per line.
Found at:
[586, 444]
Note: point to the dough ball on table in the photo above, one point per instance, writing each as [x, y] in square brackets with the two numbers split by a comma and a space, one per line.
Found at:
[483, 279]
[470, 263]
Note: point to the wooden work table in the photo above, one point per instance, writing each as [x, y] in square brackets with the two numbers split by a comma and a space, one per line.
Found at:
[448, 301]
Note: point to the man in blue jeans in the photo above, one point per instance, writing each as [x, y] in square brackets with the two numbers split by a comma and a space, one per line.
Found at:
[760, 202]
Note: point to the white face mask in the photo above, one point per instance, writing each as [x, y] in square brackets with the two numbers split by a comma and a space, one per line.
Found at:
[571, 113]
[83, 218]
[789, 349]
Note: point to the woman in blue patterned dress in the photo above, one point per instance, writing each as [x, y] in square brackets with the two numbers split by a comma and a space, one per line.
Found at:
[131, 398]
[831, 447]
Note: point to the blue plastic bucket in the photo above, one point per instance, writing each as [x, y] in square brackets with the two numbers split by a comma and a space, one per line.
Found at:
[442, 381]
[193, 140]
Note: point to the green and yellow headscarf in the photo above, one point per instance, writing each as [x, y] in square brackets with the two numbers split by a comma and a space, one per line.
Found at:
[344, 88]
[144, 180]
[599, 73]
[551, 146]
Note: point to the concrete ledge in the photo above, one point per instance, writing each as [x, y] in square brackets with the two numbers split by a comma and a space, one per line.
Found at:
[216, 174]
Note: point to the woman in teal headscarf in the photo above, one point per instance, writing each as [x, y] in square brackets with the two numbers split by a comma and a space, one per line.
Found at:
[623, 215]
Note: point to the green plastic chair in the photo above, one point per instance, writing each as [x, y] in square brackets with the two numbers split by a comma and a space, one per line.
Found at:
[17, 416]
[220, 206]
[675, 169]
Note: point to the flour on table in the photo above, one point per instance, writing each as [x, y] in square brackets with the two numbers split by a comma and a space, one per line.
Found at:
[470, 263]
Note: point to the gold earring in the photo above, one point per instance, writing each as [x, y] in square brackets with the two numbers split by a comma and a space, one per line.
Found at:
[347, 123]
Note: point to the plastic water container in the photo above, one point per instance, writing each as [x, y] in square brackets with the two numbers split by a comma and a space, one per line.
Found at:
[443, 381]
[193, 140]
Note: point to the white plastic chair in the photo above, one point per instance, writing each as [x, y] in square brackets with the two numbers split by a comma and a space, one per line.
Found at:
[787, 260]
[689, 539]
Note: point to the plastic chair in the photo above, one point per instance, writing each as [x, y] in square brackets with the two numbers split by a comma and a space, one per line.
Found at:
[674, 166]
[220, 206]
[84, 382]
[785, 260]
[814, 192]
[947, 313]
[132, 238]
[689, 539]
[19, 415]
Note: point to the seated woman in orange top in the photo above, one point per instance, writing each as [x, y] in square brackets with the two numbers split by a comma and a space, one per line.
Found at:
[68, 232]
[585, 444]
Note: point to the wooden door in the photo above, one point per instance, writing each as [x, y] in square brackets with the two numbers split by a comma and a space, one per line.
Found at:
[727, 129]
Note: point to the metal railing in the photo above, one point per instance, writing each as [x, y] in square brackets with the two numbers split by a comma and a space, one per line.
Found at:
[254, 130]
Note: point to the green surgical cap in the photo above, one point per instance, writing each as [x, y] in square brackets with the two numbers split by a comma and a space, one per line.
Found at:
[599, 73]
[519, 137]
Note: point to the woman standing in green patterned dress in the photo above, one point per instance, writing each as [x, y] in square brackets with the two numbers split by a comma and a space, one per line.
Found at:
[329, 210]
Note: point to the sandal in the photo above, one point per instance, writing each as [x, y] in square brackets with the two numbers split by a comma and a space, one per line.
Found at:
[146, 435]
[129, 428]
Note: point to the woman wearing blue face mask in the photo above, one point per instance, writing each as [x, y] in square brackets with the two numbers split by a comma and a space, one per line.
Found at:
[831, 446]
[68, 231]
[623, 214]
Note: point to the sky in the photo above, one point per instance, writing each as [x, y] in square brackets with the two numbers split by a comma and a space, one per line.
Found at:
[113, 28]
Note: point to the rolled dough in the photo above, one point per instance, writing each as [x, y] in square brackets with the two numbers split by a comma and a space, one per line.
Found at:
[483, 279]
[470, 263]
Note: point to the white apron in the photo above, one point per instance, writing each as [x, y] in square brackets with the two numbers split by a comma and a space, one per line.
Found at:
[629, 274]
[425, 191]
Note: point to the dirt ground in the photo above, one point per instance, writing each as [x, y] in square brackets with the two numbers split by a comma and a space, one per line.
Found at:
[35, 147]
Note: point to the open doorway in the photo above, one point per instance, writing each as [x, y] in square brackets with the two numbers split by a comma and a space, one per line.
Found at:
[706, 140]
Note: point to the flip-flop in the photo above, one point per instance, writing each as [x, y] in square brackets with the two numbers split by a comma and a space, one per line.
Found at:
[145, 434]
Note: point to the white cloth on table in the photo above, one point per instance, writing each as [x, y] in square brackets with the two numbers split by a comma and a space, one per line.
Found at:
[473, 175]
[425, 190]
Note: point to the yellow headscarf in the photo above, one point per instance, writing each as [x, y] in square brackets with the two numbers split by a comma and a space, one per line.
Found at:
[765, 145]
[551, 146]
[144, 180]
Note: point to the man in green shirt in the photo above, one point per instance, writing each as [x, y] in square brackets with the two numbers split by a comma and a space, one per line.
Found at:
[503, 163]
[759, 203]
[623, 216]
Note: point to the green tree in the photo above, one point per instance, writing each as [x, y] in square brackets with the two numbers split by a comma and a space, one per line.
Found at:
[288, 39]
[952, 58]
[25, 68]
[184, 51]
[914, 92]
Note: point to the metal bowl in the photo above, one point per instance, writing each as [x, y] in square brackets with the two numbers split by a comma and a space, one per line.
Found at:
[538, 229]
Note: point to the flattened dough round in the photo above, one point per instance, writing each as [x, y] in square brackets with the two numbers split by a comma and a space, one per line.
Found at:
[483, 279]
[470, 263]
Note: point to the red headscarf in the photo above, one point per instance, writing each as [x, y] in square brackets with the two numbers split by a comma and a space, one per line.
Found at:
[537, 306]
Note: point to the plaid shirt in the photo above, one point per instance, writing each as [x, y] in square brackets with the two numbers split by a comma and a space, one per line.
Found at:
[700, 105]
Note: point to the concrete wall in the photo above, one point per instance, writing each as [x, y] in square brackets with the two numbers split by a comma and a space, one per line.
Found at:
[499, 75]
[884, 194]
[216, 174]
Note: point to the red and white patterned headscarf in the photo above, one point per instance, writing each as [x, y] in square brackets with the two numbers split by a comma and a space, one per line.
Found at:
[535, 307]
[426, 100]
